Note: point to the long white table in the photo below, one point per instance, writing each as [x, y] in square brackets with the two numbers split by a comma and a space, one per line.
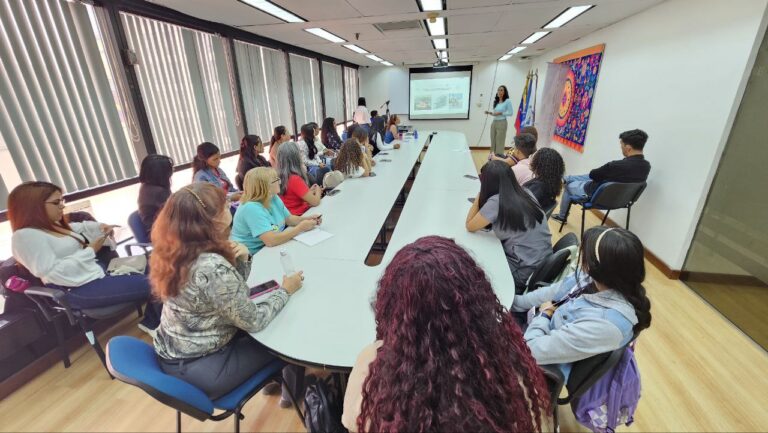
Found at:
[330, 319]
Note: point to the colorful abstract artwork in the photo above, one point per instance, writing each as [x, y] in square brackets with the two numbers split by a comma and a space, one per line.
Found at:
[578, 93]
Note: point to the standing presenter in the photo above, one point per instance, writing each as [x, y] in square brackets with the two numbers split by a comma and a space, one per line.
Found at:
[502, 108]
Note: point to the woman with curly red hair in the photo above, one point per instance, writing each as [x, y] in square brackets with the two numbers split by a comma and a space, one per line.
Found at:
[448, 356]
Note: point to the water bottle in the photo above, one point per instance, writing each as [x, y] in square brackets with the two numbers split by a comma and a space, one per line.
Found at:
[285, 260]
[416, 134]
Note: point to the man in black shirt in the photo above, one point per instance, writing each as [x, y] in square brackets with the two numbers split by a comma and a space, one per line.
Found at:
[633, 168]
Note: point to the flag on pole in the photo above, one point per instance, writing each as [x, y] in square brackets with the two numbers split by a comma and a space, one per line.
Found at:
[523, 105]
[530, 115]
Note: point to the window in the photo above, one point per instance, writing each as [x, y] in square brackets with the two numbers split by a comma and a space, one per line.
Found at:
[60, 120]
[264, 86]
[305, 76]
[334, 91]
[187, 86]
[350, 91]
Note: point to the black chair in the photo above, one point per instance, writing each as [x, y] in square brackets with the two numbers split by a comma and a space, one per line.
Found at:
[566, 241]
[549, 210]
[610, 196]
[548, 270]
[55, 308]
[584, 374]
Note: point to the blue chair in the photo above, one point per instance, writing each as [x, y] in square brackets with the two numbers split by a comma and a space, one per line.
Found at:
[610, 196]
[134, 362]
[139, 231]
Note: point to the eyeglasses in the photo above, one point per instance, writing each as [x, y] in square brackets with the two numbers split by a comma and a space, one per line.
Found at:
[57, 202]
[276, 180]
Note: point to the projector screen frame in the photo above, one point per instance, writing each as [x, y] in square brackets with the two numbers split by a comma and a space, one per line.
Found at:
[458, 68]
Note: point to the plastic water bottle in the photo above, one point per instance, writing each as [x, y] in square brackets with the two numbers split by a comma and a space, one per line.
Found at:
[285, 260]
[416, 134]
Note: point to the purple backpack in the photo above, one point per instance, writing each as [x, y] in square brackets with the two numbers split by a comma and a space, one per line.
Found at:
[612, 400]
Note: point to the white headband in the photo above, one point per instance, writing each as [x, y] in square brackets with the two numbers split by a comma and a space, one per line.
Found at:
[597, 244]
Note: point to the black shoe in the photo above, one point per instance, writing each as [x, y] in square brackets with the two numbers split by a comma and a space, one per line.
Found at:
[557, 217]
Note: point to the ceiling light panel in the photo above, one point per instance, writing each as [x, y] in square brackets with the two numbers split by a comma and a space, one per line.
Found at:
[375, 57]
[274, 10]
[437, 28]
[386, 63]
[356, 49]
[505, 57]
[516, 50]
[568, 15]
[440, 44]
[534, 37]
[431, 5]
[325, 34]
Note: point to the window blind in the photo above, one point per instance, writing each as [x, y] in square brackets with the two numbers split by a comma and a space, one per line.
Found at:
[305, 76]
[334, 93]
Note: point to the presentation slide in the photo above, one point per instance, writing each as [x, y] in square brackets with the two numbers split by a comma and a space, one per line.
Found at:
[439, 94]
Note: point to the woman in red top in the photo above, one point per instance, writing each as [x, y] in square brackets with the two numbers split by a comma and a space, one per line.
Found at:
[295, 191]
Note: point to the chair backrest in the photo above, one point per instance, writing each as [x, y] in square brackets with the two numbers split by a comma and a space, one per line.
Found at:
[587, 372]
[616, 195]
[548, 269]
[566, 241]
[138, 228]
[134, 362]
[548, 211]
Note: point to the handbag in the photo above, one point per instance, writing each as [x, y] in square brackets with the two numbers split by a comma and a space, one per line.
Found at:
[127, 265]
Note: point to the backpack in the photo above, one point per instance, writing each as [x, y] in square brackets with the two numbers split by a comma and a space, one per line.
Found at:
[612, 400]
[323, 406]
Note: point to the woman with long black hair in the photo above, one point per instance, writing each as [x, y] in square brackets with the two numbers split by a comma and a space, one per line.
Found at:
[251, 148]
[502, 108]
[205, 168]
[597, 310]
[516, 219]
[548, 168]
[279, 136]
[328, 135]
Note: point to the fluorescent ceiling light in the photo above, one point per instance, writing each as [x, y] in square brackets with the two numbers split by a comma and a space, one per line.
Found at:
[440, 44]
[437, 28]
[274, 10]
[443, 55]
[325, 35]
[386, 63]
[431, 5]
[505, 57]
[569, 14]
[375, 57]
[534, 37]
[516, 50]
[356, 49]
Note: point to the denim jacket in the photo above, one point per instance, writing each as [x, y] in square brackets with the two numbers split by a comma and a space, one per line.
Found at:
[587, 325]
[206, 175]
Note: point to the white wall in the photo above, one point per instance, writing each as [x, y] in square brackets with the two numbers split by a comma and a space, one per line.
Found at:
[378, 84]
[677, 71]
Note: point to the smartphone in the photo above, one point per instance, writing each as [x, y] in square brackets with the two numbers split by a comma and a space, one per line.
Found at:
[500, 155]
[372, 174]
[383, 153]
[332, 192]
[385, 160]
[471, 199]
[469, 176]
[263, 288]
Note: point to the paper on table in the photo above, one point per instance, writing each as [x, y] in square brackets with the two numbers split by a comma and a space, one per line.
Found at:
[313, 237]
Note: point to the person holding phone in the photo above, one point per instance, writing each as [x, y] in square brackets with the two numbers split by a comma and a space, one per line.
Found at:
[63, 255]
[262, 218]
[502, 108]
[207, 314]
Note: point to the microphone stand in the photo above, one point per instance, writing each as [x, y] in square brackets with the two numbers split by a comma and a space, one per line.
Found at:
[386, 116]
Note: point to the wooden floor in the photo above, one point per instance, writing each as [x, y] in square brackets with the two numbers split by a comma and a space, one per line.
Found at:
[700, 373]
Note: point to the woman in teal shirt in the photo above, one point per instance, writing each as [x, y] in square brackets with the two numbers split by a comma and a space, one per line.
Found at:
[262, 218]
[502, 108]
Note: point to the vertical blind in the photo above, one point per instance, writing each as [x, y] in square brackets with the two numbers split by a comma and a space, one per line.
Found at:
[264, 86]
[350, 90]
[334, 93]
[305, 77]
[59, 120]
[186, 85]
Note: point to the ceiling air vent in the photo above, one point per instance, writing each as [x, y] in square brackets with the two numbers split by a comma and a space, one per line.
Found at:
[399, 26]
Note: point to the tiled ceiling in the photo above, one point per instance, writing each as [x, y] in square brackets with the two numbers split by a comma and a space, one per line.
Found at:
[478, 30]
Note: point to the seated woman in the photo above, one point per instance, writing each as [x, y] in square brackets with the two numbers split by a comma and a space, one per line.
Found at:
[328, 135]
[295, 191]
[448, 355]
[516, 219]
[279, 136]
[262, 219]
[201, 278]
[391, 140]
[361, 136]
[548, 168]
[63, 255]
[585, 315]
[312, 153]
[155, 178]
[351, 160]
[251, 149]
[205, 168]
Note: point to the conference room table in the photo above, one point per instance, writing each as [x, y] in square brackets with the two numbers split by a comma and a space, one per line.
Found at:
[330, 319]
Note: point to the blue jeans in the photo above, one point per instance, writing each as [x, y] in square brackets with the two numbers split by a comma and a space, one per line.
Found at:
[316, 174]
[112, 290]
[574, 190]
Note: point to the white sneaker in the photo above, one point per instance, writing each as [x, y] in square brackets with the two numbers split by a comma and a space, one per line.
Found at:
[150, 332]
